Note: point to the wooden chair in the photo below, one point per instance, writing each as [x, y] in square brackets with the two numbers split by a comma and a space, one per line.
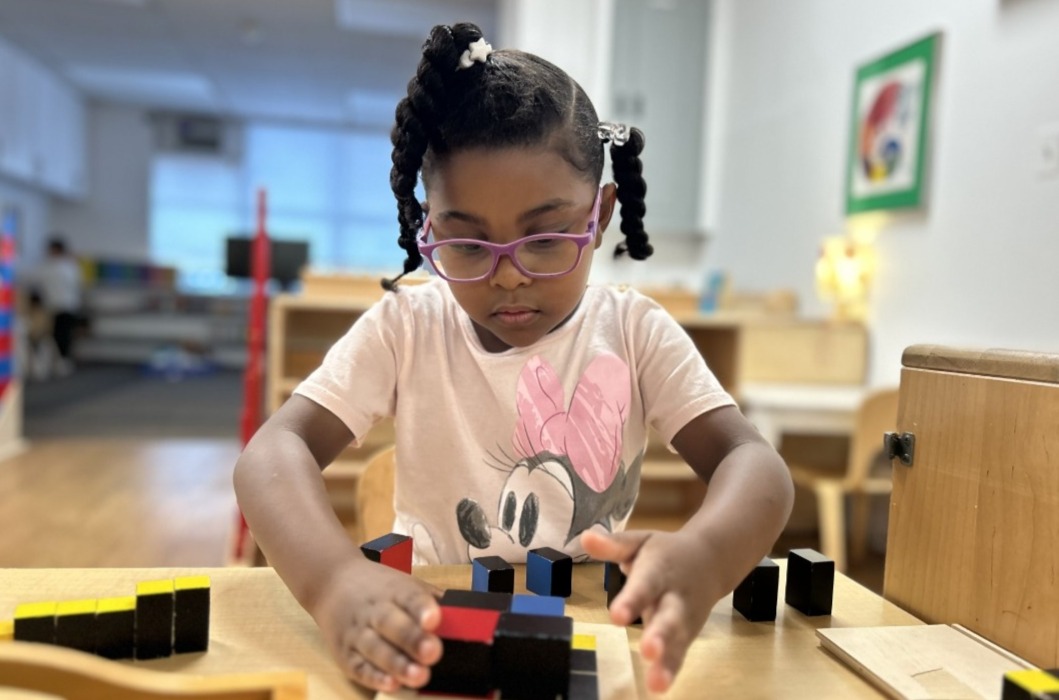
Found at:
[876, 415]
[374, 499]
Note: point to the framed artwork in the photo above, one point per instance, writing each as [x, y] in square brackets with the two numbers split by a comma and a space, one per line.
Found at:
[889, 138]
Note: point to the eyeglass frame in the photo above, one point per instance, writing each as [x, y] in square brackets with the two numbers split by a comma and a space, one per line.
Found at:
[499, 250]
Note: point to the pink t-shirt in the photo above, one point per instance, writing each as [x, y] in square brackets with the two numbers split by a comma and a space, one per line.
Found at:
[500, 453]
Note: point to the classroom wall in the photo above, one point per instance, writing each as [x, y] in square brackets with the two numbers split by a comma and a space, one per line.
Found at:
[978, 266]
[113, 218]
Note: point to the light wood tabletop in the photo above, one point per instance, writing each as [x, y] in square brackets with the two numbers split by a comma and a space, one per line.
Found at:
[257, 626]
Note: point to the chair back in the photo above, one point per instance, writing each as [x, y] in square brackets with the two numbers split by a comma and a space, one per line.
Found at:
[876, 415]
[375, 494]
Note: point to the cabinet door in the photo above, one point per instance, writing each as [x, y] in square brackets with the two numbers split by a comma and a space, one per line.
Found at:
[659, 85]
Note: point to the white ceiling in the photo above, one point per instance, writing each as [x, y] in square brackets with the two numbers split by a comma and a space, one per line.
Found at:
[325, 61]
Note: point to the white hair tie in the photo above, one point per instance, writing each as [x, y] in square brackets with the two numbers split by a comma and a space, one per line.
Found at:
[476, 51]
[617, 134]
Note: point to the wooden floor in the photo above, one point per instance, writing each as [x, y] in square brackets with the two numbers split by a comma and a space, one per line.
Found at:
[118, 502]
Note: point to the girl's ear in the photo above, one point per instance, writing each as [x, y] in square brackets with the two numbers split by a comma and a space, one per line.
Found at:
[606, 209]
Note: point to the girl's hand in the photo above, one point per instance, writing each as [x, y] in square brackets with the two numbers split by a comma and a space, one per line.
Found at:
[669, 585]
[378, 623]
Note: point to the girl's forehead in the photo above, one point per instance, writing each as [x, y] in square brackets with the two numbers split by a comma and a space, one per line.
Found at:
[507, 174]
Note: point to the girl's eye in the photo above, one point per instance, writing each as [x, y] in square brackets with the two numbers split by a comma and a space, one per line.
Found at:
[542, 244]
[465, 248]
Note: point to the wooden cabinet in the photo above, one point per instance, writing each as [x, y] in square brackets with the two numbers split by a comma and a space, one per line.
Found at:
[974, 516]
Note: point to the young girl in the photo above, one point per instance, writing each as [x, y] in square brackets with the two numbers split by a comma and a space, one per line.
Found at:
[521, 395]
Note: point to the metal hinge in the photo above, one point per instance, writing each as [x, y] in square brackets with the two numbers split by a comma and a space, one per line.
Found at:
[900, 446]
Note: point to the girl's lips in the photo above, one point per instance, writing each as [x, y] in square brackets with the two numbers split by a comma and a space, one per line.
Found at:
[517, 316]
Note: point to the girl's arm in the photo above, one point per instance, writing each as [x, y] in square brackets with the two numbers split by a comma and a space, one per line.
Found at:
[281, 492]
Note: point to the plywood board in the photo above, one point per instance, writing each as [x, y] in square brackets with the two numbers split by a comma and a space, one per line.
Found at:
[924, 662]
[617, 681]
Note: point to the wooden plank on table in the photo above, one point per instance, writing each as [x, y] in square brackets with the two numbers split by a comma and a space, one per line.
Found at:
[922, 662]
[617, 680]
[807, 352]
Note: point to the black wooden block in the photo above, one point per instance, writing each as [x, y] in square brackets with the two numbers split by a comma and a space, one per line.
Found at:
[492, 574]
[75, 625]
[476, 599]
[191, 624]
[583, 686]
[465, 667]
[531, 656]
[614, 580]
[35, 622]
[755, 598]
[116, 628]
[549, 572]
[154, 619]
[810, 582]
[582, 660]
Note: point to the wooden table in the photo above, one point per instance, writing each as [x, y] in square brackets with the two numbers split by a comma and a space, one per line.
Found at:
[257, 626]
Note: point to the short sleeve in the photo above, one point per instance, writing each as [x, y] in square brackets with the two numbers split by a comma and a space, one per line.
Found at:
[357, 380]
[675, 382]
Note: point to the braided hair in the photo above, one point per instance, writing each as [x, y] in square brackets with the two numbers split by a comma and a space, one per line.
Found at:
[511, 99]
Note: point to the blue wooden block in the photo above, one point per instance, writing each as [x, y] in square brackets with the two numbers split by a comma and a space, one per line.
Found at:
[549, 571]
[492, 574]
[538, 605]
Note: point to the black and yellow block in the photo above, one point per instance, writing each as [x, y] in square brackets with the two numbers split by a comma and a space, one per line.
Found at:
[75, 624]
[154, 619]
[1028, 685]
[116, 627]
[191, 628]
[35, 622]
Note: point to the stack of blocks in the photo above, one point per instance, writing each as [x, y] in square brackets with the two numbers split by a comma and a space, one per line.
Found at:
[1031, 684]
[163, 618]
[809, 589]
[521, 645]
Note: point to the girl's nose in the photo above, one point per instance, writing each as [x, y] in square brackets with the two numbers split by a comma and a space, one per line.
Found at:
[507, 276]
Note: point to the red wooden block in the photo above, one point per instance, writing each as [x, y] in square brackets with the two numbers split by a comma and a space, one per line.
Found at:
[468, 624]
[391, 550]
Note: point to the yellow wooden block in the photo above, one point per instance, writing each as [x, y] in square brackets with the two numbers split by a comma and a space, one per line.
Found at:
[76, 607]
[108, 605]
[7, 630]
[185, 583]
[30, 610]
[586, 642]
[1034, 680]
[154, 587]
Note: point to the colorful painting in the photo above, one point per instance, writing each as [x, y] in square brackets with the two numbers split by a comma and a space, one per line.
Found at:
[890, 130]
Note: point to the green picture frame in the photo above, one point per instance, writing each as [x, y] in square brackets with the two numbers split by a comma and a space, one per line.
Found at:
[890, 128]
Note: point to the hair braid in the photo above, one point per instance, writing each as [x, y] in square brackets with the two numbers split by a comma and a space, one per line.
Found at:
[416, 128]
[628, 174]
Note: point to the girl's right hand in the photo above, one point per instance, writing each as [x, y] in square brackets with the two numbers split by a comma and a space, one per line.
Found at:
[378, 623]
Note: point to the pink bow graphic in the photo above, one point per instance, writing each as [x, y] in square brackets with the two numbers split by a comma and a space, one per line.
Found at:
[590, 432]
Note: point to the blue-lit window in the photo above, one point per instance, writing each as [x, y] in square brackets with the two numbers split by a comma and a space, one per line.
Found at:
[326, 186]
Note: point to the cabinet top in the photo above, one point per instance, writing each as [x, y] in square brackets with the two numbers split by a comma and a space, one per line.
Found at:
[993, 362]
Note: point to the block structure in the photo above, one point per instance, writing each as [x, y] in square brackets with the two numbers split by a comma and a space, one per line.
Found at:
[35, 622]
[75, 625]
[465, 667]
[1030, 684]
[531, 656]
[549, 572]
[392, 550]
[538, 605]
[756, 597]
[154, 619]
[116, 627]
[191, 610]
[481, 600]
[492, 574]
[810, 582]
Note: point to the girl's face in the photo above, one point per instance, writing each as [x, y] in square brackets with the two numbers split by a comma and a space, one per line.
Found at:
[501, 196]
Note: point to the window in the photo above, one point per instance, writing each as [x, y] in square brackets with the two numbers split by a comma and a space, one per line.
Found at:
[327, 186]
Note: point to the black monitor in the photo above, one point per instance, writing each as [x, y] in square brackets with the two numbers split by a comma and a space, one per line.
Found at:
[287, 259]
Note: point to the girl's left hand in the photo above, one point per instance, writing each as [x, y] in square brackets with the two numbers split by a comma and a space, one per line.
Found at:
[668, 584]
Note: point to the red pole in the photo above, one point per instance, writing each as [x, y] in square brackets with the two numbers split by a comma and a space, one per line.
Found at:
[255, 346]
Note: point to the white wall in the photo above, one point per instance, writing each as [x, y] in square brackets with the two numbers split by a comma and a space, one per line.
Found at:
[978, 267]
[113, 218]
